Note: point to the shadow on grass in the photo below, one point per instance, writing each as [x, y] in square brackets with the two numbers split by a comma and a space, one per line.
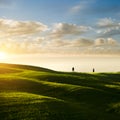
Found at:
[97, 81]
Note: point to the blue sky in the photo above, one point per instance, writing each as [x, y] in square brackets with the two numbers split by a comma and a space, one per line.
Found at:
[51, 11]
[64, 25]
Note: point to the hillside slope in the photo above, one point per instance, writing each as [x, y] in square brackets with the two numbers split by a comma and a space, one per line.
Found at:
[33, 93]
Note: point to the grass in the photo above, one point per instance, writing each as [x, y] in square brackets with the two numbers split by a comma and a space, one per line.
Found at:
[33, 93]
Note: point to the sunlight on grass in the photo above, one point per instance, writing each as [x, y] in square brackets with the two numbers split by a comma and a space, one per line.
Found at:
[11, 98]
[113, 86]
[68, 87]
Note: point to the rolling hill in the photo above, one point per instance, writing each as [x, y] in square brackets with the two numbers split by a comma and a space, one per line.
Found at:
[34, 93]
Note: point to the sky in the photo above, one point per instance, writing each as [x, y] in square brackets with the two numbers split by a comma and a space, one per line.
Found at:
[60, 27]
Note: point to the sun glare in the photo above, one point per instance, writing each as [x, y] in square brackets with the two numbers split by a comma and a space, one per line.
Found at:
[2, 55]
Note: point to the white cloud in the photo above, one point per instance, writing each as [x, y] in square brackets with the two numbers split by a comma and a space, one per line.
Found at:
[106, 22]
[108, 27]
[15, 28]
[100, 41]
[111, 41]
[82, 42]
[62, 29]
[33, 45]
[105, 42]
[57, 43]
[82, 5]
[77, 8]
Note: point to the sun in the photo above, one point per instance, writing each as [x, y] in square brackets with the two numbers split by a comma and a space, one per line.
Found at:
[3, 55]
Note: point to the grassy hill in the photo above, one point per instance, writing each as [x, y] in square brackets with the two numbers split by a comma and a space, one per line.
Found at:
[33, 93]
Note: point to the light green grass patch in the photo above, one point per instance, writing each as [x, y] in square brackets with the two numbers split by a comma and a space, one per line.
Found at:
[12, 98]
[113, 86]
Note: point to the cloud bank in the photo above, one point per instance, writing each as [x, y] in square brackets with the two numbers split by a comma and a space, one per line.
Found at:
[21, 37]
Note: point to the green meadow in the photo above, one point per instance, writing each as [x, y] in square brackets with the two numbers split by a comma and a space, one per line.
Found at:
[34, 93]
